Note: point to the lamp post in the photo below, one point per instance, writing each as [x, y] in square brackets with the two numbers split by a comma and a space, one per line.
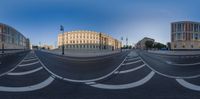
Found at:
[126, 43]
[121, 43]
[62, 30]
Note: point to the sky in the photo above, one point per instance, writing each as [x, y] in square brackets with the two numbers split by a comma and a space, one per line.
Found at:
[40, 20]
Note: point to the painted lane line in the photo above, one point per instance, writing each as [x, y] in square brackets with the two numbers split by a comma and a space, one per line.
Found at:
[188, 85]
[79, 81]
[131, 70]
[22, 65]
[132, 62]
[30, 60]
[14, 67]
[25, 73]
[169, 76]
[90, 83]
[133, 59]
[28, 88]
[171, 63]
[125, 86]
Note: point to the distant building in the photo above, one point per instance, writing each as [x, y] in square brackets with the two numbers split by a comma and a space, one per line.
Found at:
[141, 44]
[88, 40]
[185, 35]
[48, 47]
[11, 39]
[35, 47]
[28, 46]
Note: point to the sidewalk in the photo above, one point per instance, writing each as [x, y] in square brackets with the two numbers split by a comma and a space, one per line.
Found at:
[79, 53]
[175, 52]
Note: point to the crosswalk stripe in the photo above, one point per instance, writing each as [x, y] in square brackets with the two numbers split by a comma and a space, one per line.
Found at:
[26, 72]
[132, 62]
[131, 70]
[21, 65]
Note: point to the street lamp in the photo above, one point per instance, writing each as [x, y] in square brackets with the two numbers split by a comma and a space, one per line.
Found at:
[121, 43]
[126, 43]
[62, 30]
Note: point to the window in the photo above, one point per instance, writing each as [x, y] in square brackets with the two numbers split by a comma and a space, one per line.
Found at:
[196, 36]
[178, 36]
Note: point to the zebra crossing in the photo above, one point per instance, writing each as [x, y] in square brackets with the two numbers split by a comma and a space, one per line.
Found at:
[22, 79]
[127, 75]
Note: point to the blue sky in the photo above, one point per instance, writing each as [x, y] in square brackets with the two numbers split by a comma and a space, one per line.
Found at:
[39, 20]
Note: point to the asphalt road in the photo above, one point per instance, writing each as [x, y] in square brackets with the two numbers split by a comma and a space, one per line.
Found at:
[127, 75]
[182, 66]
[9, 61]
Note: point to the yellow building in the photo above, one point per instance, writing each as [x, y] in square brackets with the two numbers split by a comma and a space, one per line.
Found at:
[88, 40]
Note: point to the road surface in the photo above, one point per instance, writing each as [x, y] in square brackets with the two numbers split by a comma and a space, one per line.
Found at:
[128, 75]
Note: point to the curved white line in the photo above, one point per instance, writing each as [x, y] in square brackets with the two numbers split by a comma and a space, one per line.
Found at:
[28, 88]
[133, 59]
[188, 85]
[14, 67]
[26, 72]
[31, 57]
[132, 62]
[169, 76]
[78, 81]
[22, 65]
[125, 86]
[29, 60]
[131, 70]
[171, 63]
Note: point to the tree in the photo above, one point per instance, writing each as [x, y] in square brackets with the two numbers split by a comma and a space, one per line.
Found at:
[149, 44]
[159, 46]
[169, 45]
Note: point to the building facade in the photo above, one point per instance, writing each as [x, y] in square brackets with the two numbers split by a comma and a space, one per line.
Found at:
[185, 35]
[141, 44]
[87, 40]
[47, 47]
[11, 39]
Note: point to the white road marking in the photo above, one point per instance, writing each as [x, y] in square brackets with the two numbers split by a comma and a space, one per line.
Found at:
[28, 88]
[169, 76]
[171, 63]
[188, 85]
[125, 86]
[13, 68]
[129, 63]
[89, 80]
[90, 83]
[22, 65]
[131, 70]
[133, 59]
[25, 73]
[30, 60]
